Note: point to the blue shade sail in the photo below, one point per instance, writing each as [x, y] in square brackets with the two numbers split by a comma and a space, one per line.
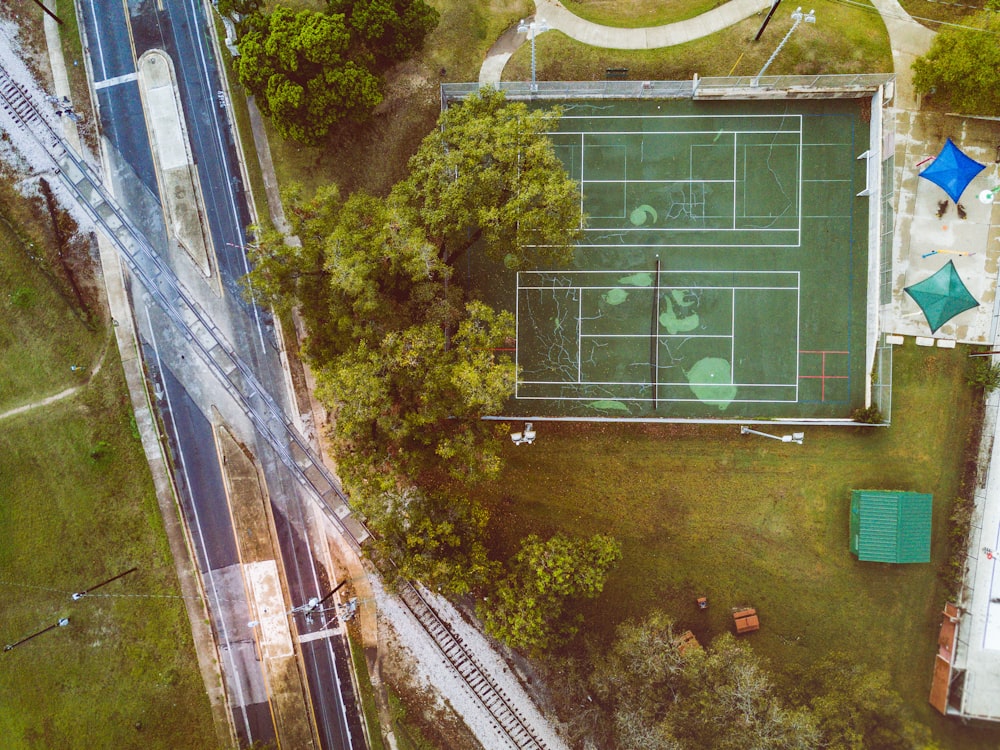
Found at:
[952, 170]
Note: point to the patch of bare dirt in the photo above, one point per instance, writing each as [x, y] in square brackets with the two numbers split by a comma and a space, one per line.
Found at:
[430, 714]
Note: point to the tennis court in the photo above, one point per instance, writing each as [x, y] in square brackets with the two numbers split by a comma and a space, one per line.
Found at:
[722, 270]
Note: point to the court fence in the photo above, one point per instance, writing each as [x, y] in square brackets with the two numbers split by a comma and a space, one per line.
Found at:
[882, 380]
[737, 87]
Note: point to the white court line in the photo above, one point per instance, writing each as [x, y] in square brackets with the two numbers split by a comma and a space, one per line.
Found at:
[736, 160]
[690, 180]
[646, 382]
[798, 336]
[659, 336]
[582, 149]
[643, 399]
[732, 340]
[723, 230]
[678, 286]
[646, 270]
[517, 329]
[798, 208]
[579, 336]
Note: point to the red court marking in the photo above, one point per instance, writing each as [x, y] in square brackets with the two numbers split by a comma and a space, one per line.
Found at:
[822, 377]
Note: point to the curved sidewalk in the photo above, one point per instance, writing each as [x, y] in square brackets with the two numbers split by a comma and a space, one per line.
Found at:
[651, 37]
[611, 37]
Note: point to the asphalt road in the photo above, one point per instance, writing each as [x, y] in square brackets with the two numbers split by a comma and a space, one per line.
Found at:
[115, 42]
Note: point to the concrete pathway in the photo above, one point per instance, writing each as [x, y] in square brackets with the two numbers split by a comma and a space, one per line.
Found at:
[909, 40]
[611, 37]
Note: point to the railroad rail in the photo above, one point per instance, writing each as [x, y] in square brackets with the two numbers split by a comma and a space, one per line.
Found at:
[240, 382]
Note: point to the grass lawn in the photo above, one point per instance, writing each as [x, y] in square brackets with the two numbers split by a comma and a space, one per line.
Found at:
[635, 14]
[844, 39]
[76, 507]
[702, 510]
[928, 12]
[41, 336]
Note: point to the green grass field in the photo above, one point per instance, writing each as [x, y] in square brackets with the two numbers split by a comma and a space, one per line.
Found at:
[76, 507]
[638, 13]
[41, 337]
[744, 520]
[844, 39]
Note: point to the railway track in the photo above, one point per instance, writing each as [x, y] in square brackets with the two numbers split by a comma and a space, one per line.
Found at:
[238, 379]
[507, 719]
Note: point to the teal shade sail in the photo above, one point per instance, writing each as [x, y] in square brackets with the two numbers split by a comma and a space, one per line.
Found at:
[942, 296]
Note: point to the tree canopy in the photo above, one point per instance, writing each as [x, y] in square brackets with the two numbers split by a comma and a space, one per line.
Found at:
[297, 67]
[489, 172]
[527, 608]
[405, 358]
[962, 66]
[310, 70]
[723, 696]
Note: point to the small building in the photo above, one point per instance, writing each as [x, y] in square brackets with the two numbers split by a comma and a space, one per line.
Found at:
[891, 527]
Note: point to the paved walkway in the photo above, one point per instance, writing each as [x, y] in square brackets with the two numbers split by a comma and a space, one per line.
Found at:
[612, 37]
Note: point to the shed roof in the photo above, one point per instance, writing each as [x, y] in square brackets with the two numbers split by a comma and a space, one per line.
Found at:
[890, 526]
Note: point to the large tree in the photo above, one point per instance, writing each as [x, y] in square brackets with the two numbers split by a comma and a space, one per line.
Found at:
[527, 608]
[431, 536]
[721, 697]
[391, 29]
[488, 171]
[297, 65]
[409, 405]
[963, 66]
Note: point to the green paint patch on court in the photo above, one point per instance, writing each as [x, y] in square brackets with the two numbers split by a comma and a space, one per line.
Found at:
[715, 231]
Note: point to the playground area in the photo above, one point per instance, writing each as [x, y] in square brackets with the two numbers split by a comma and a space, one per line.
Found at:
[722, 273]
[932, 231]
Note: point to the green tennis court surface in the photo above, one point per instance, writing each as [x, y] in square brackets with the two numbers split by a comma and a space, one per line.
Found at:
[722, 272]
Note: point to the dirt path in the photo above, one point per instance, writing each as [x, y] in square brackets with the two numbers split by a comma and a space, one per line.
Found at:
[66, 393]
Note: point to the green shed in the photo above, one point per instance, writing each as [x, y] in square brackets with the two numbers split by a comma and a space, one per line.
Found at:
[891, 527]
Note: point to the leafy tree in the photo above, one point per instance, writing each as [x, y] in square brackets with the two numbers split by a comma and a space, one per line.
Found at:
[432, 537]
[963, 65]
[982, 373]
[526, 610]
[298, 67]
[410, 404]
[720, 697]
[240, 7]
[489, 172]
[855, 707]
[391, 29]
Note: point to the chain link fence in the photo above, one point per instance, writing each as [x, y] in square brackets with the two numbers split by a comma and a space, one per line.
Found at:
[713, 87]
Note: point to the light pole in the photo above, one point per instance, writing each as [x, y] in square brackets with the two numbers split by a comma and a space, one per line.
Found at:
[533, 28]
[798, 18]
[795, 437]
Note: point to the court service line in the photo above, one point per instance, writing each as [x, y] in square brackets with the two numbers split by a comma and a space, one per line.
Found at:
[798, 336]
[676, 286]
[579, 336]
[583, 148]
[659, 336]
[798, 208]
[644, 399]
[732, 340]
[736, 162]
[517, 331]
[643, 133]
[646, 382]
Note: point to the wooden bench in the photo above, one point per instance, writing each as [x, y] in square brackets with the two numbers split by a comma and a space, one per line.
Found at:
[746, 620]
